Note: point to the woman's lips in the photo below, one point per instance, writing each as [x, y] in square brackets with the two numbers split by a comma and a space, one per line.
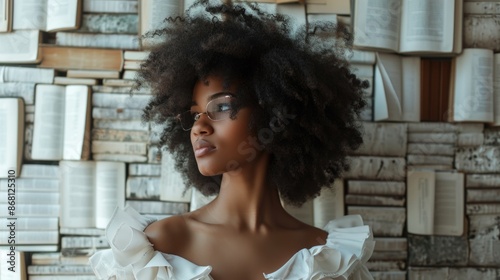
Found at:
[202, 147]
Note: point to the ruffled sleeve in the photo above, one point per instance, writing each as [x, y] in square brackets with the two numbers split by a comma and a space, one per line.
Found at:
[132, 256]
[348, 247]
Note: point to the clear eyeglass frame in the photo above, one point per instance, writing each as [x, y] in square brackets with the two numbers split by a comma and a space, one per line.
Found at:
[217, 109]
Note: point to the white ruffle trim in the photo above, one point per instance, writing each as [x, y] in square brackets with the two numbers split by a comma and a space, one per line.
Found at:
[349, 245]
[132, 255]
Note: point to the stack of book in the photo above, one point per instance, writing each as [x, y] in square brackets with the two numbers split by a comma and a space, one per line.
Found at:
[35, 213]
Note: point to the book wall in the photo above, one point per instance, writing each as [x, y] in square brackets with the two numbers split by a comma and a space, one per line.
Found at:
[429, 134]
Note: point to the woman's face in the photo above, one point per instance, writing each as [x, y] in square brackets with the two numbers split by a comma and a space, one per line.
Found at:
[218, 145]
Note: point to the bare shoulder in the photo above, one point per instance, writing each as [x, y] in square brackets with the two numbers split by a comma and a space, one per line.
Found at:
[169, 235]
[315, 236]
[308, 235]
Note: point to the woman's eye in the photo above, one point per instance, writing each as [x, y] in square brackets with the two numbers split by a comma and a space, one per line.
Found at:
[223, 107]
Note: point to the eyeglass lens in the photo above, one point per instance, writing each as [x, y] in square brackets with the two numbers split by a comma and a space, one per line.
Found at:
[218, 109]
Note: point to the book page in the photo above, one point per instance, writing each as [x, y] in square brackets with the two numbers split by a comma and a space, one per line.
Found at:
[449, 204]
[48, 131]
[19, 46]
[376, 24]
[389, 67]
[5, 15]
[329, 204]
[109, 191]
[77, 194]
[473, 86]
[30, 14]
[19, 273]
[410, 89]
[152, 14]
[62, 14]
[496, 88]
[427, 26]
[11, 135]
[75, 116]
[420, 201]
[172, 185]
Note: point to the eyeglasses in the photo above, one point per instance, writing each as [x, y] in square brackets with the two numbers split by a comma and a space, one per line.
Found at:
[217, 109]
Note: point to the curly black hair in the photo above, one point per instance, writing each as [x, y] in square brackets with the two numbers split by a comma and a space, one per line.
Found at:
[300, 82]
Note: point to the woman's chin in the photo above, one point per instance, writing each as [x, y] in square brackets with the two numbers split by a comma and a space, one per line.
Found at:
[208, 171]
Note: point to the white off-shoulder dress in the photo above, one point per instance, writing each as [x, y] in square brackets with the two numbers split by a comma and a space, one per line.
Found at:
[349, 245]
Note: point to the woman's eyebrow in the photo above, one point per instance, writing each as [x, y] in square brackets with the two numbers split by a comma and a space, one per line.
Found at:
[213, 96]
[218, 94]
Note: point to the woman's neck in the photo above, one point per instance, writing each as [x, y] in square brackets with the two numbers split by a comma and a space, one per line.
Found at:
[246, 201]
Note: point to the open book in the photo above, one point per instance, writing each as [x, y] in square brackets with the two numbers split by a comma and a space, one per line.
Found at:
[319, 211]
[20, 46]
[47, 15]
[406, 26]
[435, 202]
[471, 86]
[6, 15]
[62, 122]
[90, 192]
[397, 88]
[11, 135]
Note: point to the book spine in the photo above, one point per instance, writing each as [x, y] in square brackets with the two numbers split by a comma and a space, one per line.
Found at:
[481, 31]
[158, 207]
[102, 134]
[470, 139]
[383, 139]
[391, 244]
[110, 23]
[432, 137]
[484, 8]
[27, 75]
[431, 127]
[482, 180]
[112, 147]
[113, 100]
[376, 187]
[33, 184]
[143, 188]
[107, 6]
[353, 199]
[121, 125]
[429, 160]
[113, 41]
[40, 171]
[483, 195]
[377, 168]
[84, 242]
[35, 223]
[31, 210]
[24, 90]
[482, 208]
[431, 149]
[59, 270]
[121, 158]
[384, 221]
[142, 169]
[116, 114]
[24, 197]
[31, 237]
[482, 159]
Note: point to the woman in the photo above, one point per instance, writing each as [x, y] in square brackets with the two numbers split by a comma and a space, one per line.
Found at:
[256, 116]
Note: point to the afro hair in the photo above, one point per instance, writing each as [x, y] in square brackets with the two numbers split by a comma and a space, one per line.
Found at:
[307, 101]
